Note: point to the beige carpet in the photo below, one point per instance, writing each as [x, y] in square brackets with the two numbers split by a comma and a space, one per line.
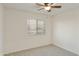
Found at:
[50, 50]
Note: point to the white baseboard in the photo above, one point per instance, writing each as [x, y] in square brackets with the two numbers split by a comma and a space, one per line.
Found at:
[65, 48]
[26, 49]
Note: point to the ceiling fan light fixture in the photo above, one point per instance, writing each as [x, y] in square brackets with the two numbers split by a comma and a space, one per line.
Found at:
[47, 8]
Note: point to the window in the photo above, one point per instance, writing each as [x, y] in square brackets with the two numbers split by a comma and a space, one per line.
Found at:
[36, 26]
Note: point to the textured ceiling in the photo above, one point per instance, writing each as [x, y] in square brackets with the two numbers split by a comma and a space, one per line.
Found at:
[34, 8]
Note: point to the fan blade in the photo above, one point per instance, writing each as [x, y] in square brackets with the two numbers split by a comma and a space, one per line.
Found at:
[41, 9]
[46, 4]
[51, 3]
[56, 6]
[39, 4]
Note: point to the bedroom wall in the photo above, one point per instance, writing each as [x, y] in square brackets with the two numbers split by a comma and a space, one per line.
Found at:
[1, 28]
[16, 37]
[65, 30]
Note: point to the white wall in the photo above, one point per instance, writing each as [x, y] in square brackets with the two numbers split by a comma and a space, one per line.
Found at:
[16, 37]
[1, 28]
[65, 28]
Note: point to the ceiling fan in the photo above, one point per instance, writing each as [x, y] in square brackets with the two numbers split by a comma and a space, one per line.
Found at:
[48, 6]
